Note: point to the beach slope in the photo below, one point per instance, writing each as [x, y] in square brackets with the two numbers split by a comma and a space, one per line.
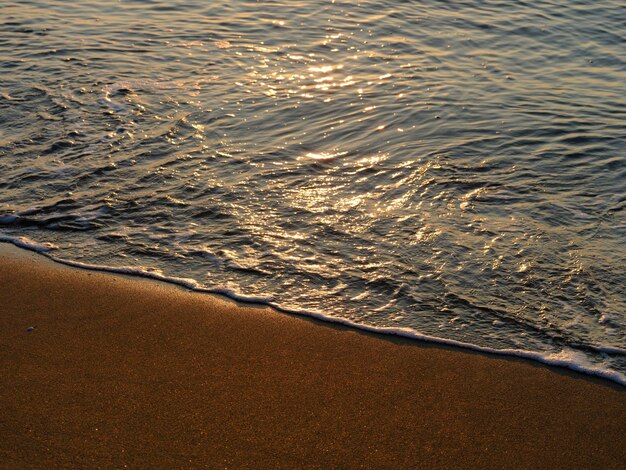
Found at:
[101, 370]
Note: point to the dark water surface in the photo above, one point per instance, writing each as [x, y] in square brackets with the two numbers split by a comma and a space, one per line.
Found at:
[453, 168]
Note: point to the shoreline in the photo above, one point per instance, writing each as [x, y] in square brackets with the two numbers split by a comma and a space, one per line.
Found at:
[126, 370]
[551, 360]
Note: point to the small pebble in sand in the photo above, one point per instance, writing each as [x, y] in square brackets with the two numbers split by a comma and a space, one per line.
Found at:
[30, 328]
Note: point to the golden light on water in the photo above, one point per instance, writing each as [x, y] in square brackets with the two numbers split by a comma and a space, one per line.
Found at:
[301, 143]
[324, 155]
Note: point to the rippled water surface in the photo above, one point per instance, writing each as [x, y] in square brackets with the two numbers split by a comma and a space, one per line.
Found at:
[456, 168]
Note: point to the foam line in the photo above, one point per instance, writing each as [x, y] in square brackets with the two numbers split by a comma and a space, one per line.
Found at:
[568, 358]
[28, 244]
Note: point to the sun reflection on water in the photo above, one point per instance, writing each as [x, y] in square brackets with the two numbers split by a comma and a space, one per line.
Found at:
[388, 143]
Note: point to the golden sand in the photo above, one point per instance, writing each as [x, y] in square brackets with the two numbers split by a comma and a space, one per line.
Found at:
[123, 371]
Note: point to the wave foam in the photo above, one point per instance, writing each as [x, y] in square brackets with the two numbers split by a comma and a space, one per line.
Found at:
[28, 244]
[568, 358]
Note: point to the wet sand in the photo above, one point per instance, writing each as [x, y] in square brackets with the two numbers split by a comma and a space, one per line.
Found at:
[124, 371]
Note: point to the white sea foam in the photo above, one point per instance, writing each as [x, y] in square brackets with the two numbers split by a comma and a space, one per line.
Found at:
[568, 358]
[24, 242]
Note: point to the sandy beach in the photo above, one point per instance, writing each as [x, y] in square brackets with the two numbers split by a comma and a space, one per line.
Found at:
[109, 371]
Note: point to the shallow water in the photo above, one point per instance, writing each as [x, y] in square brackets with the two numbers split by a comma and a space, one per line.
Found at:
[453, 168]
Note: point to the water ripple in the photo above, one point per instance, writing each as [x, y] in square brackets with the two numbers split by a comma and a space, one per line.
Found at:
[455, 168]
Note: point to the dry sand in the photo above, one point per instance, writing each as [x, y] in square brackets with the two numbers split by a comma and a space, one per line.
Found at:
[130, 372]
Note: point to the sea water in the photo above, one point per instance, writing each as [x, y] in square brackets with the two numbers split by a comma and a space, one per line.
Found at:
[449, 170]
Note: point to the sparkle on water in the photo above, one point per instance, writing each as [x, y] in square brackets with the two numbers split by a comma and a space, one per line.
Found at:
[456, 168]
